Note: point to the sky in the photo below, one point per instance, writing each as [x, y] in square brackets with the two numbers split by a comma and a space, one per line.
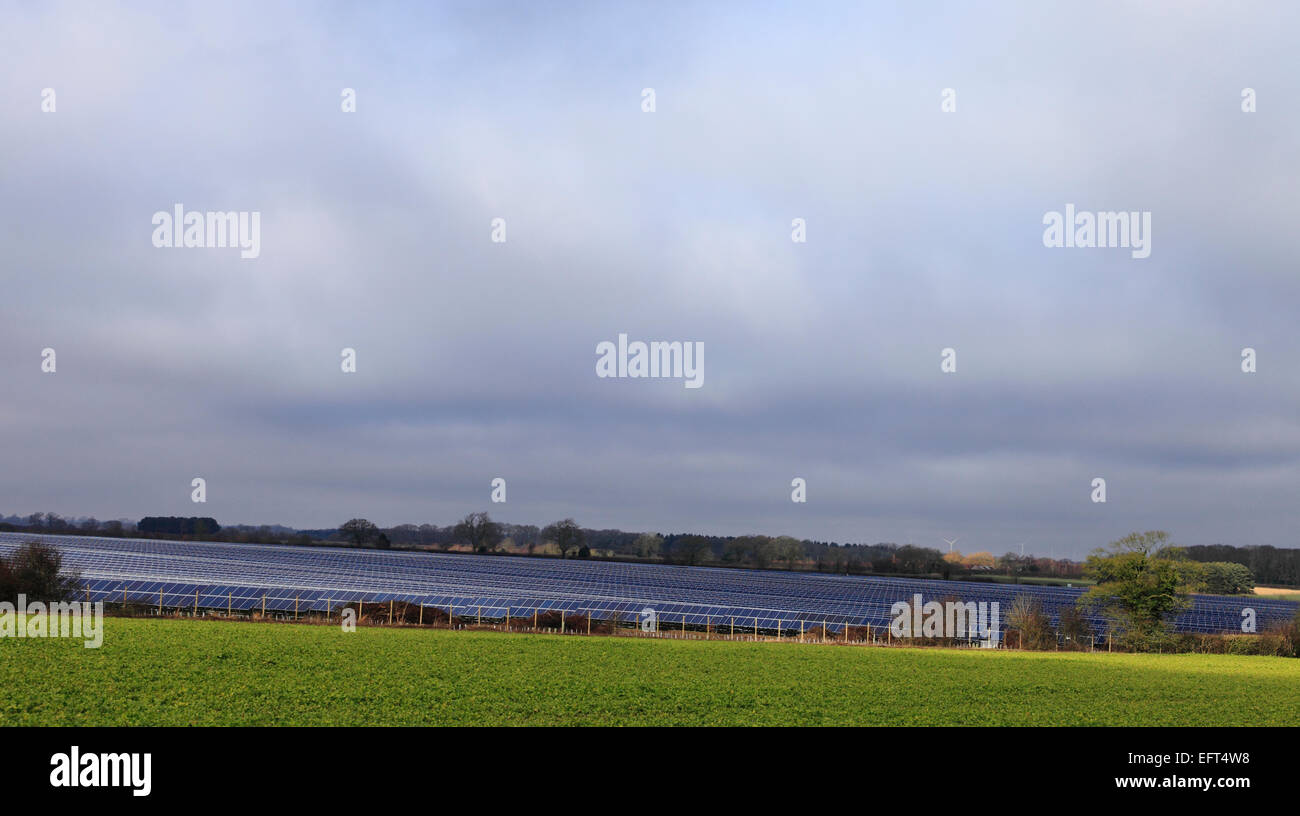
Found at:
[476, 359]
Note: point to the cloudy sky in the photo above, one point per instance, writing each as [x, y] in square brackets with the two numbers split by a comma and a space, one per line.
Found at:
[477, 359]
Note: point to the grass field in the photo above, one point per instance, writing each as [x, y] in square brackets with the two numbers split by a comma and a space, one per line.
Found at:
[185, 672]
[1278, 594]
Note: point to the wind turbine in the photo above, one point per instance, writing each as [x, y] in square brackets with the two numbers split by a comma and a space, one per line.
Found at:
[950, 543]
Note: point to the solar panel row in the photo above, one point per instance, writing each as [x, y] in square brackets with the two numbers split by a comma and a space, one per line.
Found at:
[285, 578]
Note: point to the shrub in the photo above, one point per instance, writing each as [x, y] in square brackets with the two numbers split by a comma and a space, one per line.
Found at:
[1146, 639]
[1031, 623]
[1075, 629]
[36, 570]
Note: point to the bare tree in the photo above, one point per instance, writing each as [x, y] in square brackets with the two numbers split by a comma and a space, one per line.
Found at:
[566, 534]
[359, 531]
[479, 531]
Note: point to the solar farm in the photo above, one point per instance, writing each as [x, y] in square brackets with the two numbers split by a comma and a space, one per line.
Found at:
[301, 580]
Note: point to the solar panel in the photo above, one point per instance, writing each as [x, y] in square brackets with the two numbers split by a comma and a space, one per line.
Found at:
[313, 579]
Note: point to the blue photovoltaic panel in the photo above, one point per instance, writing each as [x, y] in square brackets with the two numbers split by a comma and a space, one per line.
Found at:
[316, 578]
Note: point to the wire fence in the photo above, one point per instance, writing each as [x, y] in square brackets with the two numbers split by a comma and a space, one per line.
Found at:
[551, 618]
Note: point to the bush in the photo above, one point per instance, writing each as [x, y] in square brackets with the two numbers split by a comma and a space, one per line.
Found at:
[1075, 629]
[36, 570]
[1033, 626]
[1148, 639]
[1285, 637]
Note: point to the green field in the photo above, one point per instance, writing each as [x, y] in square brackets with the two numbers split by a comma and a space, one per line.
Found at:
[179, 672]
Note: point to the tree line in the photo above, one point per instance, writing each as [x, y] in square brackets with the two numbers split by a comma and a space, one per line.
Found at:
[479, 533]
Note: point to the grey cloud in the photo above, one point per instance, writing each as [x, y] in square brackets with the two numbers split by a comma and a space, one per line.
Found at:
[477, 360]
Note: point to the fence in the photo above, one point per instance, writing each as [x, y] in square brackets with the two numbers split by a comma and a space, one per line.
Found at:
[554, 618]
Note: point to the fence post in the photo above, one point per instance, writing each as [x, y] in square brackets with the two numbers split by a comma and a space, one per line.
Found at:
[534, 619]
[507, 618]
[589, 621]
[478, 618]
[295, 607]
[451, 616]
[755, 628]
[421, 614]
[160, 602]
[196, 601]
[801, 631]
[390, 611]
[733, 626]
[264, 604]
[230, 602]
[823, 630]
[561, 621]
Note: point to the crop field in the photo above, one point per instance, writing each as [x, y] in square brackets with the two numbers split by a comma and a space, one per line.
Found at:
[194, 672]
[1277, 594]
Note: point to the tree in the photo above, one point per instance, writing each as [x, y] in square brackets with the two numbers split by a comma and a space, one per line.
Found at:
[1016, 564]
[749, 549]
[479, 531]
[1139, 582]
[1028, 618]
[178, 525]
[525, 535]
[787, 549]
[1075, 628]
[35, 570]
[1227, 578]
[649, 545]
[690, 549]
[359, 531]
[566, 535]
[918, 559]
